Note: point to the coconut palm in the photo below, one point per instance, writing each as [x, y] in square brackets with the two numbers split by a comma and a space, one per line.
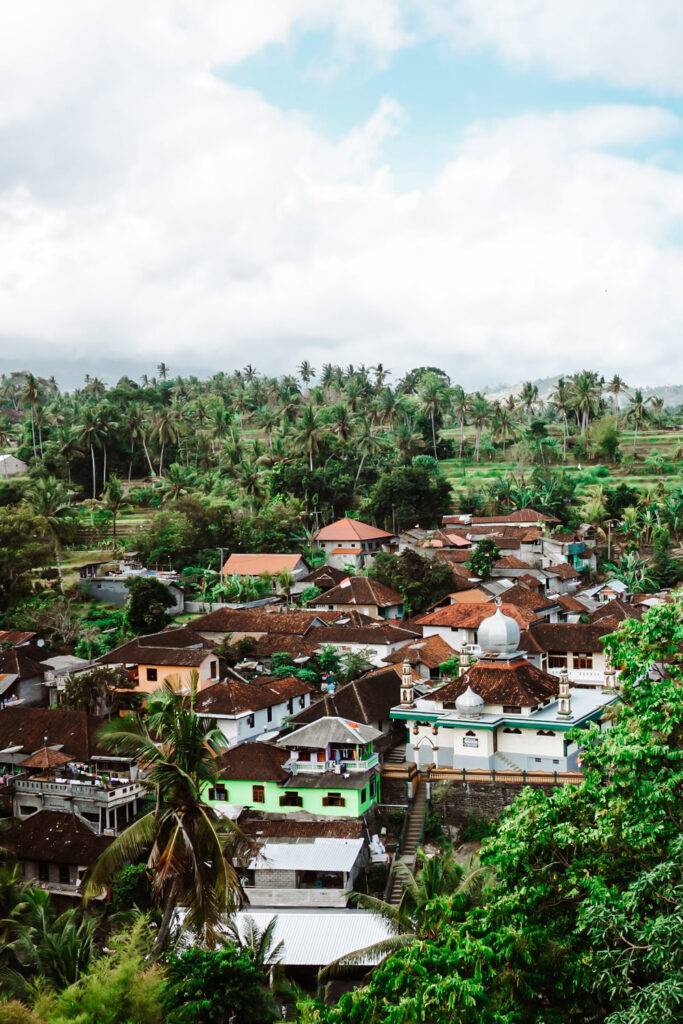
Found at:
[167, 427]
[432, 398]
[479, 414]
[310, 434]
[586, 393]
[460, 404]
[528, 396]
[51, 499]
[638, 412]
[306, 371]
[615, 388]
[561, 400]
[187, 847]
[113, 499]
[162, 370]
[30, 397]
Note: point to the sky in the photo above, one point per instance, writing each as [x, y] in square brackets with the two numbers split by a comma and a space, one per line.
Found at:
[490, 186]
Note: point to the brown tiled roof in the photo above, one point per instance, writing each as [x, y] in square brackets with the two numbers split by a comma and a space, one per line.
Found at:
[16, 661]
[430, 651]
[234, 698]
[570, 604]
[282, 643]
[347, 617]
[564, 571]
[75, 732]
[291, 827]
[520, 515]
[471, 616]
[517, 682]
[449, 538]
[47, 758]
[617, 611]
[454, 556]
[325, 577]
[257, 565]
[139, 652]
[351, 529]
[56, 837]
[260, 762]
[570, 636]
[254, 620]
[530, 581]
[15, 637]
[530, 600]
[359, 590]
[472, 595]
[510, 562]
[365, 700]
[382, 633]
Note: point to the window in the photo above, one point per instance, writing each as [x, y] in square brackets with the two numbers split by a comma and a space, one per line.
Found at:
[302, 702]
[557, 659]
[538, 759]
[213, 668]
[545, 732]
[218, 792]
[517, 732]
[373, 787]
[583, 661]
[363, 794]
[512, 709]
[151, 675]
[337, 800]
[64, 874]
[258, 794]
[43, 872]
[269, 714]
[291, 799]
[25, 810]
[251, 719]
[290, 705]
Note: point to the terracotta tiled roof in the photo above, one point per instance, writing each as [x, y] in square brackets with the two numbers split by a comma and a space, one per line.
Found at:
[570, 604]
[365, 700]
[471, 616]
[257, 565]
[31, 728]
[616, 610]
[16, 661]
[518, 683]
[382, 633]
[174, 651]
[255, 620]
[47, 758]
[430, 651]
[260, 762]
[56, 837]
[292, 827]
[510, 562]
[570, 636]
[15, 637]
[233, 698]
[457, 556]
[564, 571]
[359, 590]
[351, 529]
[325, 577]
[281, 643]
[520, 515]
[473, 595]
[530, 600]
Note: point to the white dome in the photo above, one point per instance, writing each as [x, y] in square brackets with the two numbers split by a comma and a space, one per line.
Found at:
[498, 634]
[469, 701]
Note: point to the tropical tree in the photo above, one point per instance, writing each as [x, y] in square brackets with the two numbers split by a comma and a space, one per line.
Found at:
[479, 414]
[432, 398]
[616, 387]
[51, 499]
[310, 434]
[528, 397]
[187, 847]
[637, 412]
[113, 500]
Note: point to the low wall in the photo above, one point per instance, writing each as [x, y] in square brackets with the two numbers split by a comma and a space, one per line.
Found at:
[459, 802]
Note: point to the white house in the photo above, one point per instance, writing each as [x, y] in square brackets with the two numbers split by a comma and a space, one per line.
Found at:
[348, 541]
[573, 647]
[502, 713]
[304, 872]
[245, 711]
[10, 466]
[377, 641]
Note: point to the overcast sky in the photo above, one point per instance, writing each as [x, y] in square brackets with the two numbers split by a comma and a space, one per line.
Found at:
[492, 186]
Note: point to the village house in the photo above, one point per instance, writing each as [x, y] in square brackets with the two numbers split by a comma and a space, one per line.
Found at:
[458, 624]
[324, 578]
[522, 517]
[21, 678]
[245, 711]
[11, 466]
[319, 871]
[350, 542]
[367, 700]
[255, 566]
[601, 593]
[359, 593]
[327, 768]
[173, 655]
[425, 656]
[572, 647]
[501, 713]
[238, 623]
[110, 586]
[54, 850]
[376, 641]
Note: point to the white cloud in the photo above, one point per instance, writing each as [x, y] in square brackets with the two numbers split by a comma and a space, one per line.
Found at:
[632, 43]
[149, 209]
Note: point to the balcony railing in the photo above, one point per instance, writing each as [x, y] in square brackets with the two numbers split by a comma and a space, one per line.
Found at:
[320, 767]
[73, 788]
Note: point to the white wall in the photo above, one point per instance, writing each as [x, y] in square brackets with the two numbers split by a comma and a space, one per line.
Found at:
[237, 729]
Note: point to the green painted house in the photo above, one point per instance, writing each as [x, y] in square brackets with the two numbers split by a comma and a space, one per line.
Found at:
[327, 768]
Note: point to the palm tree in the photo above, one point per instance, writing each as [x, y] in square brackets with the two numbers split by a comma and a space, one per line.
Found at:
[306, 371]
[586, 392]
[616, 387]
[310, 434]
[51, 500]
[90, 434]
[31, 397]
[416, 916]
[528, 396]
[561, 400]
[368, 442]
[162, 370]
[460, 404]
[187, 847]
[285, 581]
[167, 430]
[502, 423]
[342, 421]
[262, 950]
[432, 395]
[638, 412]
[480, 411]
[113, 499]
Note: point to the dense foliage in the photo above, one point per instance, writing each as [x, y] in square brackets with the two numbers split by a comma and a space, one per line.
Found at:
[420, 581]
[218, 986]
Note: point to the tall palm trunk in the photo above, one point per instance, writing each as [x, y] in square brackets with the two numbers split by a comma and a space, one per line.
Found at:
[94, 472]
[104, 466]
[462, 434]
[58, 562]
[161, 459]
[433, 435]
[33, 434]
[149, 461]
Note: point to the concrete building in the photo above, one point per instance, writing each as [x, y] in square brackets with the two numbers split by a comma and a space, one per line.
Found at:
[245, 711]
[11, 466]
[172, 654]
[360, 593]
[316, 872]
[350, 542]
[255, 566]
[502, 713]
[54, 850]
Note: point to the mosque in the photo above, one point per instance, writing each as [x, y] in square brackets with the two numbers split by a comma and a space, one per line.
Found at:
[502, 712]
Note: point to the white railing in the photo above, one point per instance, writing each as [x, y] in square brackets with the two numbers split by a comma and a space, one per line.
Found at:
[296, 767]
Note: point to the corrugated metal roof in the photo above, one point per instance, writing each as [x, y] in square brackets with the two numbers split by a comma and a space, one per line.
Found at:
[314, 938]
[330, 730]
[318, 854]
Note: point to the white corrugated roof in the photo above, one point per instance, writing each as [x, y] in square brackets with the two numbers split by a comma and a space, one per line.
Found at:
[314, 938]
[330, 729]
[317, 854]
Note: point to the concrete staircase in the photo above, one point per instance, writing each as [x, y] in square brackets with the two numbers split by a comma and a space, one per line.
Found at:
[413, 835]
[503, 763]
[396, 755]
